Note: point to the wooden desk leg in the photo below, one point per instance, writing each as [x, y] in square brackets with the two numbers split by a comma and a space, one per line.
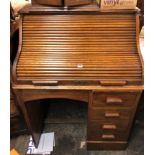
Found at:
[34, 113]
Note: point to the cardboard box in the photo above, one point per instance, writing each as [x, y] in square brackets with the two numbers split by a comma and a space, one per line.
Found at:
[117, 4]
[14, 152]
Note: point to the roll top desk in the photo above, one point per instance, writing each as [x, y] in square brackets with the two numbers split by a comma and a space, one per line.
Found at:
[84, 54]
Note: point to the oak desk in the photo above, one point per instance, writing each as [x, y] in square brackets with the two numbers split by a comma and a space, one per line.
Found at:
[83, 54]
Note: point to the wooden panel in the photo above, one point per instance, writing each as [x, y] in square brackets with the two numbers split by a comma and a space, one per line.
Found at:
[117, 99]
[30, 95]
[107, 125]
[106, 145]
[100, 135]
[79, 47]
[110, 114]
[47, 2]
[76, 2]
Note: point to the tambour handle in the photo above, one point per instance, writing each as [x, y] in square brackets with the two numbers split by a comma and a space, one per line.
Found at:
[113, 100]
[108, 136]
[113, 82]
[112, 114]
[47, 83]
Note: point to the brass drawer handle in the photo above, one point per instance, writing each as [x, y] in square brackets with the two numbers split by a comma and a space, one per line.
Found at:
[113, 82]
[114, 100]
[112, 114]
[107, 126]
[108, 136]
[46, 83]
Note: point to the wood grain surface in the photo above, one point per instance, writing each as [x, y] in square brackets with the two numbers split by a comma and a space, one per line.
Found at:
[81, 54]
[64, 47]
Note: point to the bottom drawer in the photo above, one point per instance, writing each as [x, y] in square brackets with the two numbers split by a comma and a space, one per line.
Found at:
[106, 145]
[101, 131]
[107, 135]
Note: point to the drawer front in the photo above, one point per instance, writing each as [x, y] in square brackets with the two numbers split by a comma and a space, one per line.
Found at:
[106, 125]
[96, 133]
[117, 99]
[109, 114]
[108, 136]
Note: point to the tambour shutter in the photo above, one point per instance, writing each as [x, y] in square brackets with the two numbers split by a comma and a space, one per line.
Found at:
[79, 47]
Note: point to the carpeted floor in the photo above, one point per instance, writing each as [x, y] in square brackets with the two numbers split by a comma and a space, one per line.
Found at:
[68, 121]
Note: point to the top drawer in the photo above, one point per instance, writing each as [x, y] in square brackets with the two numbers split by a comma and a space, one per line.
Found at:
[114, 99]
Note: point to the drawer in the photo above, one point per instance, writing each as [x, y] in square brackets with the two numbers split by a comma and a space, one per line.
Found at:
[109, 114]
[99, 130]
[101, 135]
[106, 125]
[117, 99]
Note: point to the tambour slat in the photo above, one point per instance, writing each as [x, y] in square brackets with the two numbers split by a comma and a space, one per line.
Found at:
[77, 17]
[76, 71]
[110, 35]
[79, 47]
[114, 32]
[78, 75]
[75, 53]
[132, 70]
[100, 39]
[77, 43]
[81, 78]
